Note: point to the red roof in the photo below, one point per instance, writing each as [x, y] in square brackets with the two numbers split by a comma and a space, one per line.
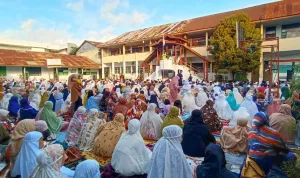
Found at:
[39, 59]
[95, 43]
[280, 9]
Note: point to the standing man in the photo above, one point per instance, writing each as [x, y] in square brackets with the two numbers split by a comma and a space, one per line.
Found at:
[180, 78]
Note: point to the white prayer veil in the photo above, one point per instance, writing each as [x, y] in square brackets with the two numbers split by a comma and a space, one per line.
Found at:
[251, 107]
[238, 97]
[201, 97]
[222, 107]
[168, 159]
[5, 101]
[87, 169]
[152, 119]
[46, 168]
[131, 156]
[241, 113]
[188, 102]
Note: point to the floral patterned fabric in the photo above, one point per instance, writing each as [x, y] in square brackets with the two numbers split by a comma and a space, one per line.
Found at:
[210, 117]
[75, 126]
[108, 136]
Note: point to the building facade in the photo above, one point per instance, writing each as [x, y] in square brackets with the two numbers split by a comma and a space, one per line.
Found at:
[16, 64]
[127, 53]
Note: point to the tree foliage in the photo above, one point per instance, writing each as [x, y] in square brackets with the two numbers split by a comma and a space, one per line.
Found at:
[229, 58]
[73, 51]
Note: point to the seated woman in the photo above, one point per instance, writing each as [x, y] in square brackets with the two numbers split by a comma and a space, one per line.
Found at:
[13, 106]
[214, 164]
[108, 136]
[274, 107]
[26, 111]
[196, 135]
[168, 159]
[235, 139]
[26, 159]
[59, 97]
[131, 156]
[87, 169]
[172, 119]
[188, 102]
[120, 107]
[91, 104]
[232, 102]
[266, 148]
[50, 163]
[222, 107]
[184, 115]
[151, 123]
[251, 107]
[75, 125]
[210, 117]
[4, 132]
[284, 123]
[261, 103]
[55, 123]
[85, 139]
[167, 106]
[23, 127]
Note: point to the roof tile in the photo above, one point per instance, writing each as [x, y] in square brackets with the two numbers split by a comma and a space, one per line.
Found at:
[29, 58]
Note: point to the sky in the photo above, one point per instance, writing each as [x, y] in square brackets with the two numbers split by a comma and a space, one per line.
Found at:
[61, 21]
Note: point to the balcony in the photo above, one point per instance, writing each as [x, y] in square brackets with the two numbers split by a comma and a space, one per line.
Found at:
[126, 57]
[285, 44]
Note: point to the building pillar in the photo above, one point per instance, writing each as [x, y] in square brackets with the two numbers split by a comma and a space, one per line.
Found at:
[112, 68]
[185, 37]
[102, 65]
[150, 46]
[136, 66]
[261, 60]
[206, 42]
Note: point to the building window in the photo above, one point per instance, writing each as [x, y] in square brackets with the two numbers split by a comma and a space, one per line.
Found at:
[2, 71]
[118, 70]
[270, 32]
[73, 71]
[128, 69]
[137, 49]
[63, 71]
[140, 70]
[114, 52]
[89, 72]
[34, 71]
[133, 69]
[200, 41]
[128, 50]
[290, 30]
[146, 49]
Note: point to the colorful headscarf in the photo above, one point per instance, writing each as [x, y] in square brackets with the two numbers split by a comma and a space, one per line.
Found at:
[13, 106]
[263, 141]
[91, 104]
[48, 115]
[232, 102]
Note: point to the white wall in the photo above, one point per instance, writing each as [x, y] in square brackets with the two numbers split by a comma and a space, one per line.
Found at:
[13, 73]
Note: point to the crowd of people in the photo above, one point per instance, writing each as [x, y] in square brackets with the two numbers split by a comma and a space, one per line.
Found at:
[191, 126]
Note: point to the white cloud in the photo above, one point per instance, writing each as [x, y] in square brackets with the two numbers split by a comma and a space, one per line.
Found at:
[76, 6]
[32, 30]
[101, 35]
[27, 25]
[117, 12]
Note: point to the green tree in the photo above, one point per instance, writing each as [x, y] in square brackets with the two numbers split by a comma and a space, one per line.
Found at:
[73, 51]
[229, 58]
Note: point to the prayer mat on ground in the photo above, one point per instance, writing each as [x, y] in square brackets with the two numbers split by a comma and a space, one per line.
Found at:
[109, 172]
[146, 141]
[236, 159]
[103, 161]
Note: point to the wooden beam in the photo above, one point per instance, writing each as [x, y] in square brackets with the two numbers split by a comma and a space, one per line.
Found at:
[288, 60]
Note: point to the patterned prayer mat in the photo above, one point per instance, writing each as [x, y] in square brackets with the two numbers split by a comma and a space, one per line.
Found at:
[103, 161]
